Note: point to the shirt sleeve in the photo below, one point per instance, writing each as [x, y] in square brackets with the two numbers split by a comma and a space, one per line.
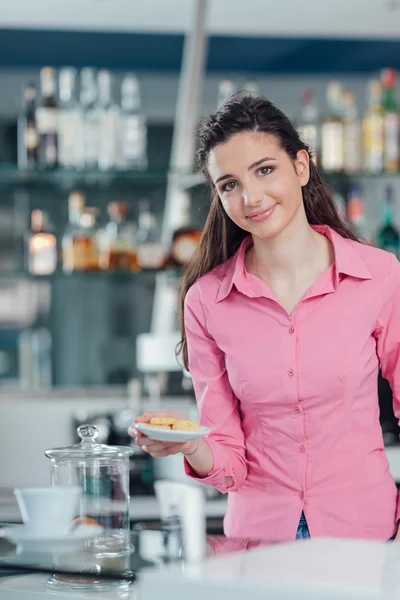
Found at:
[217, 404]
[388, 340]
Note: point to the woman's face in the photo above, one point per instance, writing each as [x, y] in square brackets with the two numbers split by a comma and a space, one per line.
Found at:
[258, 183]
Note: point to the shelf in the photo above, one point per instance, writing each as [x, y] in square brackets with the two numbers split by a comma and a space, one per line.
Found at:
[145, 274]
[10, 175]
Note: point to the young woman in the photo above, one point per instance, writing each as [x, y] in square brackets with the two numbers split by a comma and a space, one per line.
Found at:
[286, 318]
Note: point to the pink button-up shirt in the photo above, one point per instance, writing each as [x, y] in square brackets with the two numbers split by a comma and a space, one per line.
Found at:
[291, 399]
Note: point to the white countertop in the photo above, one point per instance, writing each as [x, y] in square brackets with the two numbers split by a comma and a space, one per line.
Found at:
[329, 569]
[332, 569]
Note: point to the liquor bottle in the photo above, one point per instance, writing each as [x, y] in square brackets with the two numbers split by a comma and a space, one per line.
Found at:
[41, 246]
[74, 241]
[108, 123]
[117, 250]
[132, 126]
[356, 212]
[70, 123]
[352, 139]
[149, 249]
[308, 127]
[27, 131]
[46, 119]
[373, 130]
[332, 131]
[391, 153]
[185, 241]
[89, 237]
[388, 236]
[226, 88]
[91, 121]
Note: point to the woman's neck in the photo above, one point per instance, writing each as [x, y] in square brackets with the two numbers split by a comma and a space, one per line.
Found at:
[294, 253]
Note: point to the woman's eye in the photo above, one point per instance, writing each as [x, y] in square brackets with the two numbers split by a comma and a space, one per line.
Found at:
[264, 171]
[228, 187]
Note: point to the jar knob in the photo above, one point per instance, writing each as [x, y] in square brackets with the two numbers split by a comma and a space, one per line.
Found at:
[88, 433]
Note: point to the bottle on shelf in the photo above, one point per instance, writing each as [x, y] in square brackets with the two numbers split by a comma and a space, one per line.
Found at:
[27, 142]
[332, 131]
[388, 236]
[391, 155]
[77, 245]
[70, 123]
[117, 251]
[373, 130]
[356, 213]
[352, 142]
[226, 88]
[47, 119]
[88, 224]
[132, 126]
[41, 245]
[308, 127]
[108, 123]
[185, 241]
[149, 249]
[91, 121]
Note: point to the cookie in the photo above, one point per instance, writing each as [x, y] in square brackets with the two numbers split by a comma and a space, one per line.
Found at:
[159, 426]
[162, 420]
[186, 425]
[85, 521]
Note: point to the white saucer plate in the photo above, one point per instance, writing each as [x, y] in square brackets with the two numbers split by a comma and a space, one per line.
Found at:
[171, 435]
[20, 536]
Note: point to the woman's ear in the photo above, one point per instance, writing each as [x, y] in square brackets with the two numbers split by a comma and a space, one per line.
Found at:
[302, 166]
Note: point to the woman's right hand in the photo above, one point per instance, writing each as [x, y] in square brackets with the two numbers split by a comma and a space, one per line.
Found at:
[160, 449]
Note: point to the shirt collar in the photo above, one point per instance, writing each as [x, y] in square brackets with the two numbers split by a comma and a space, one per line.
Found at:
[347, 262]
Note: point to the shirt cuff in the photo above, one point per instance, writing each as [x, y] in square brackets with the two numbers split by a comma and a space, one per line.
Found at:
[221, 469]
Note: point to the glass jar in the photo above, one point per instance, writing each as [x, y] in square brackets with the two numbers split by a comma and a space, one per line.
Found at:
[103, 473]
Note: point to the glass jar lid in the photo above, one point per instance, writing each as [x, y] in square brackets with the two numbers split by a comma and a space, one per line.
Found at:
[88, 447]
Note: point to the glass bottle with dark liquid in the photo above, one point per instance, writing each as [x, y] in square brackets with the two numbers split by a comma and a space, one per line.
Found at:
[79, 244]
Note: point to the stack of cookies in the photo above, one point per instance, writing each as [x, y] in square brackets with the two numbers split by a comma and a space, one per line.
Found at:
[174, 424]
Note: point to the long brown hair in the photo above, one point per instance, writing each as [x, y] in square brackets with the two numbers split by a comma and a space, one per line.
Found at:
[221, 237]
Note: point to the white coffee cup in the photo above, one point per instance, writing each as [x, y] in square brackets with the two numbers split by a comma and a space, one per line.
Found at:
[48, 511]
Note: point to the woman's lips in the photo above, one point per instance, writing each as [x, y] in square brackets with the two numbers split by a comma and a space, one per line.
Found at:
[262, 215]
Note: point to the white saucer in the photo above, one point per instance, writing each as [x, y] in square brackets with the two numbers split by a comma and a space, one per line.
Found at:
[20, 536]
[171, 435]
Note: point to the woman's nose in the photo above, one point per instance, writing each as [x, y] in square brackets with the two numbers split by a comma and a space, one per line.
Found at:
[252, 197]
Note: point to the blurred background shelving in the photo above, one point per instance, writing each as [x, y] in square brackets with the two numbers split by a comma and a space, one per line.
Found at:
[123, 75]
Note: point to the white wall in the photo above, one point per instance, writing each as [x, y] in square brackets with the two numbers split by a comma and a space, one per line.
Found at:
[341, 18]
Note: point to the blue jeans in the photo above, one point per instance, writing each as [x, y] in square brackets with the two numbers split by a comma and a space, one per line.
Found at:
[302, 530]
[304, 533]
